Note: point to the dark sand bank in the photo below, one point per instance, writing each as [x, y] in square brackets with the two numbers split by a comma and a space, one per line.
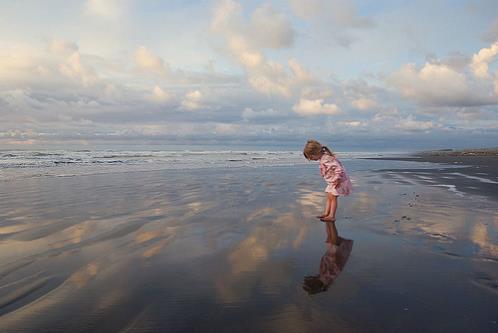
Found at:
[227, 250]
[468, 171]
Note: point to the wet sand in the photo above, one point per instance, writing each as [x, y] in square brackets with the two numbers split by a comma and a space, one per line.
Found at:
[228, 250]
[472, 172]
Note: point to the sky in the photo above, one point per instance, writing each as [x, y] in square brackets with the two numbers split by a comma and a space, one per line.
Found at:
[355, 75]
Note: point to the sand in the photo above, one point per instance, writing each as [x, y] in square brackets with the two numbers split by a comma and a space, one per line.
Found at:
[472, 172]
[228, 249]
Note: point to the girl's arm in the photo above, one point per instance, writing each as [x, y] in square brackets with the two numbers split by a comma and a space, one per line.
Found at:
[333, 171]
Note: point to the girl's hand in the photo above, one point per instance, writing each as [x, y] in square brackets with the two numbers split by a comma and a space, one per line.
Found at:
[336, 182]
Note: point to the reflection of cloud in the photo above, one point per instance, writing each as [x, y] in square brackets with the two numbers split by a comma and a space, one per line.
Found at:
[77, 233]
[313, 199]
[81, 277]
[365, 202]
[195, 206]
[152, 251]
[296, 243]
[160, 238]
[258, 245]
[480, 237]
[12, 228]
[259, 213]
[253, 252]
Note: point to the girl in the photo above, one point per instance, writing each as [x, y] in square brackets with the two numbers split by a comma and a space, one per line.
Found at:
[334, 174]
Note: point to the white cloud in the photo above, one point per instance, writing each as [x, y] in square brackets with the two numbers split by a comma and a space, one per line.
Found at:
[266, 28]
[110, 9]
[308, 107]
[226, 129]
[432, 84]
[335, 17]
[411, 124]
[269, 29]
[482, 59]
[351, 123]
[364, 104]
[244, 40]
[146, 60]
[193, 100]
[74, 68]
[160, 96]
[62, 47]
[438, 83]
[250, 114]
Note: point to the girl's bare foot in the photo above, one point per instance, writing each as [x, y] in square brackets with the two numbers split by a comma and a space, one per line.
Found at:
[321, 216]
[327, 219]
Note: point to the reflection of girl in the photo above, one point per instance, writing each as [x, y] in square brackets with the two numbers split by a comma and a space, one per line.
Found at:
[332, 262]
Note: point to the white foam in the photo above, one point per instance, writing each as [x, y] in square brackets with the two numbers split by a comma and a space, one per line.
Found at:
[481, 179]
[451, 188]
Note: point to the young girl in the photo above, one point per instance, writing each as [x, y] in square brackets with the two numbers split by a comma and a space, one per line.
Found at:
[334, 174]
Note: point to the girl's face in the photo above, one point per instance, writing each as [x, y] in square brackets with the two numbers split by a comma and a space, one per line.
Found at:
[314, 157]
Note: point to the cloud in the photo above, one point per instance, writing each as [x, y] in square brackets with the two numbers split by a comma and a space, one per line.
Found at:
[354, 124]
[308, 107]
[160, 96]
[266, 28]
[337, 18]
[62, 47]
[263, 88]
[411, 124]
[146, 60]
[193, 100]
[267, 114]
[110, 9]
[74, 68]
[440, 85]
[453, 82]
[269, 29]
[433, 84]
[246, 39]
[482, 59]
[364, 104]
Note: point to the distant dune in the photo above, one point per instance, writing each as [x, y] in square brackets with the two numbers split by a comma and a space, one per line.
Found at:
[463, 152]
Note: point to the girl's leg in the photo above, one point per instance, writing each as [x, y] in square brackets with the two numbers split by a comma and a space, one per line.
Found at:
[327, 208]
[332, 205]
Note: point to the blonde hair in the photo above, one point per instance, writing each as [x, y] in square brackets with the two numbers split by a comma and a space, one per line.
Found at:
[314, 147]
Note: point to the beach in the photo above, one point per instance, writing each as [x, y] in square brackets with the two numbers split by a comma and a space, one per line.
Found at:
[226, 246]
[470, 171]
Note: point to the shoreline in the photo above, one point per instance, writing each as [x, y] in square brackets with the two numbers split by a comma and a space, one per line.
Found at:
[471, 171]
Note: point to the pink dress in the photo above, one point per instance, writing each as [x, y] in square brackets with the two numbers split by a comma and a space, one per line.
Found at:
[331, 169]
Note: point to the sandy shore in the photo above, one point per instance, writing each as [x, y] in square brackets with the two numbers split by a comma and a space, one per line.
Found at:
[228, 250]
[468, 171]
